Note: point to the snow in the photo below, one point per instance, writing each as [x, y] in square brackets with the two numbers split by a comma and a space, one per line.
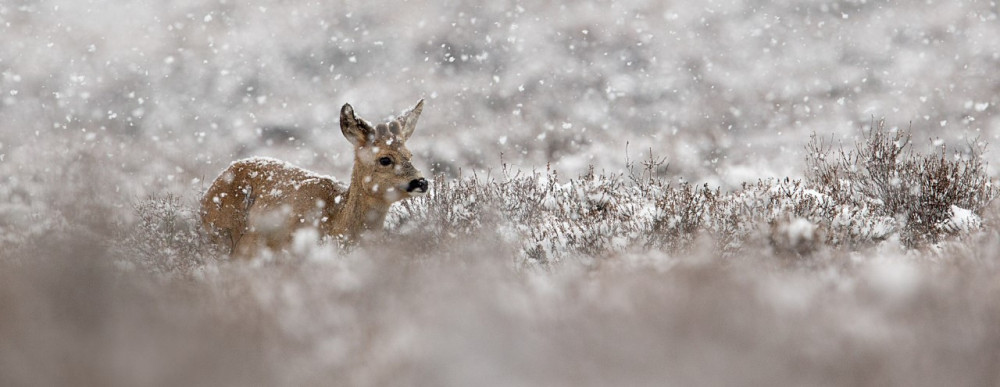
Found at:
[962, 220]
[801, 230]
[110, 109]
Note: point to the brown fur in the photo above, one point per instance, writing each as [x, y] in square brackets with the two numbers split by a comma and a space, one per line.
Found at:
[261, 202]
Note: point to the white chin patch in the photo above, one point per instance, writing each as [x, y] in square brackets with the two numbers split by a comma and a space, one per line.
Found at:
[392, 195]
[417, 193]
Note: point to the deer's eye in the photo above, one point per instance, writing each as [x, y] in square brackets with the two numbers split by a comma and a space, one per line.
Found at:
[385, 161]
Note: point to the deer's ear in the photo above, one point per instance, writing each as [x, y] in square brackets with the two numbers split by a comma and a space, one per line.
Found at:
[356, 130]
[409, 119]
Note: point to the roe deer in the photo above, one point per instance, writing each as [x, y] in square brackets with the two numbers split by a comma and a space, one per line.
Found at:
[261, 202]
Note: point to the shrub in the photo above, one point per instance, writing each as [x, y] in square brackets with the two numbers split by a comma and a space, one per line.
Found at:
[928, 194]
[166, 239]
[850, 198]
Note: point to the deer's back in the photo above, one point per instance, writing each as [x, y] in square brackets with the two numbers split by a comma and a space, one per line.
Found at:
[257, 184]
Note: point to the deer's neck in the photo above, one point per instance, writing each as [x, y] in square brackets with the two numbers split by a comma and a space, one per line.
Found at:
[362, 211]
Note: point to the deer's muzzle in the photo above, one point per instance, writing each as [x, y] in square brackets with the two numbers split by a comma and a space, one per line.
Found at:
[417, 186]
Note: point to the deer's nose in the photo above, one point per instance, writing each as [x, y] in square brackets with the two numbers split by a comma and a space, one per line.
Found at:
[417, 185]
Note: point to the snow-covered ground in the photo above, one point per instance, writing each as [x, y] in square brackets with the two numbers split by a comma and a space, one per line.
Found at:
[115, 115]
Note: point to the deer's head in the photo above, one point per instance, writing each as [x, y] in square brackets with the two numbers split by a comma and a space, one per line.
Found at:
[382, 167]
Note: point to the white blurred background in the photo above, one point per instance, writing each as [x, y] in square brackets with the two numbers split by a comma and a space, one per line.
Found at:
[728, 91]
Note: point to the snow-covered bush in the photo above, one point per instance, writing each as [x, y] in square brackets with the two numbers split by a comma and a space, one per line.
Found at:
[923, 192]
[167, 238]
